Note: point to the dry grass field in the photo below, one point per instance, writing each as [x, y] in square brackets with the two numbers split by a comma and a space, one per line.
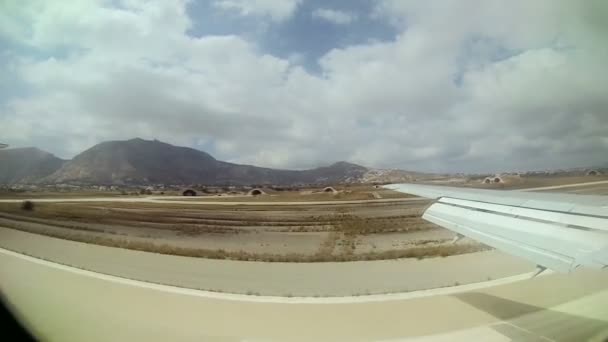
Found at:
[5, 194]
[287, 233]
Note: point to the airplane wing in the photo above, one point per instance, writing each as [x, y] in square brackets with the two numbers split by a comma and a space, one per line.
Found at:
[556, 231]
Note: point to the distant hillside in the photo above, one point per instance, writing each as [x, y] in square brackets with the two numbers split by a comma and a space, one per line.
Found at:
[392, 176]
[26, 165]
[135, 161]
[139, 161]
[340, 172]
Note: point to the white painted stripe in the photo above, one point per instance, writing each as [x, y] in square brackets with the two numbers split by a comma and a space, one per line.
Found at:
[274, 299]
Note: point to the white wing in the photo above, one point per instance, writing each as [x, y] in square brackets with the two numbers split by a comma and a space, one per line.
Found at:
[556, 231]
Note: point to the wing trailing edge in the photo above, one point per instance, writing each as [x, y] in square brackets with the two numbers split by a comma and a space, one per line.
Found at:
[557, 231]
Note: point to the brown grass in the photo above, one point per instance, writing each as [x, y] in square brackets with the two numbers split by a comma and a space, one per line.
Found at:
[328, 245]
[57, 194]
[343, 227]
[351, 224]
[190, 221]
[348, 195]
[414, 252]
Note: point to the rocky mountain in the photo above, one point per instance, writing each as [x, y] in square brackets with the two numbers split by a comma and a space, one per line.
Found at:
[135, 161]
[139, 161]
[26, 165]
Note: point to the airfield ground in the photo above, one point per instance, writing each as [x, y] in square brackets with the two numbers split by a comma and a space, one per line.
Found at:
[306, 238]
[122, 299]
[358, 223]
[318, 227]
[59, 303]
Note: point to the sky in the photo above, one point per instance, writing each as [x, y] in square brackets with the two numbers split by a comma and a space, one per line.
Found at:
[440, 86]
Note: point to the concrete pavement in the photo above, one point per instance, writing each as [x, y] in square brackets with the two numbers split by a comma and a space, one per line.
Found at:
[280, 279]
[61, 303]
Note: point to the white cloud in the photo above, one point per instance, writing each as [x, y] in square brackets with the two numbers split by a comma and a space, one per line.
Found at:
[450, 92]
[334, 16]
[278, 10]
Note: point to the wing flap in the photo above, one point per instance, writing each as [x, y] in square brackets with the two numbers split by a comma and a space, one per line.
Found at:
[581, 221]
[542, 257]
[555, 231]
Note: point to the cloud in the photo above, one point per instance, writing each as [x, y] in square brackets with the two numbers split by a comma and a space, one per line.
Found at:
[334, 16]
[277, 10]
[515, 87]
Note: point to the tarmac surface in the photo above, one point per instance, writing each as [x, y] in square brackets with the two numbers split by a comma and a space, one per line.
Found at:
[111, 294]
[60, 303]
[264, 278]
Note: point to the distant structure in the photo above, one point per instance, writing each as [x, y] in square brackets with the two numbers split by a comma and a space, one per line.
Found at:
[188, 192]
[330, 189]
[3, 145]
[256, 192]
[593, 173]
[493, 180]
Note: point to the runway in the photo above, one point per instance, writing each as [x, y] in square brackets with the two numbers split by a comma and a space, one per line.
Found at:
[123, 295]
[264, 278]
[61, 303]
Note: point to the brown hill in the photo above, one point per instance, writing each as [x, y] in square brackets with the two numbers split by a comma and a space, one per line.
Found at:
[139, 161]
[26, 165]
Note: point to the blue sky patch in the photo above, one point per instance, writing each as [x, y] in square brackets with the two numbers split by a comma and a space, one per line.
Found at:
[303, 38]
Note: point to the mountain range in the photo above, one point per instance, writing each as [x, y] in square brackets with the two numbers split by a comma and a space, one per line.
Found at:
[27, 165]
[141, 162]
